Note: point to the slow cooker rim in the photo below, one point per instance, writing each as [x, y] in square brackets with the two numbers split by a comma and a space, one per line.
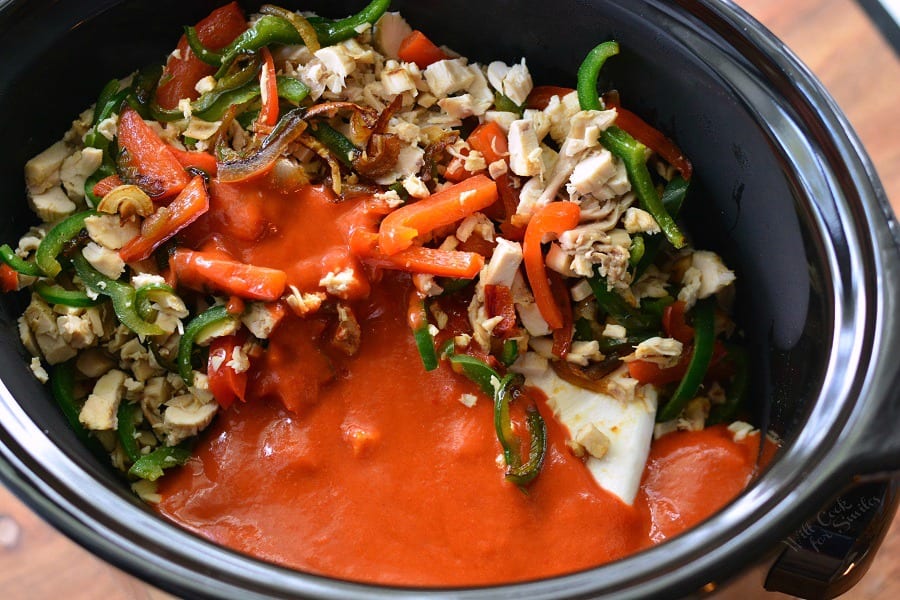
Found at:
[22, 475]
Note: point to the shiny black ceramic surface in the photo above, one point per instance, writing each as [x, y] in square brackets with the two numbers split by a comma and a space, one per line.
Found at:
[783, 190]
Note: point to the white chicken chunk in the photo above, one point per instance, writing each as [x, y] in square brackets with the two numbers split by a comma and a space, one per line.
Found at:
[338, 63]
[504, 264]
[390, 31]
[261, 319]
[524, 148]
[104, 260]
[594, 174]
[41, 321]
[99, 410]
[77, 168]
[706, 276]
[51, 205]
[638, 220]
[185, 415]
[514, 82]
[448, 76]
[665, 352]
[110, 231]
[397, 78]
[42, 171]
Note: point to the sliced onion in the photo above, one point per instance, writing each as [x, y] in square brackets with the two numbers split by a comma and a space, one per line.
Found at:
[288, 129]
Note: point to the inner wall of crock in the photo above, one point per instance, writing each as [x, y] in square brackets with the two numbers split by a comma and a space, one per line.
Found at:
[741, 204]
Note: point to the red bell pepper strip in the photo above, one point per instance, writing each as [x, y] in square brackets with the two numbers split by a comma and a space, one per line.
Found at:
[401, 227]
[204, 271]
[498, 302]
[268, 85]
[489, 139]
[417, 48]
[650, 372]
[562, 337]
[163, 224]
[556, 217]
[674, 323]
[226, 384]
[652, 138]
[156, 170]
[184, 69]
[416, 259]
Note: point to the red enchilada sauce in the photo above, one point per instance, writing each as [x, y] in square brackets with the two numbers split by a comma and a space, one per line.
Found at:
[378, 473]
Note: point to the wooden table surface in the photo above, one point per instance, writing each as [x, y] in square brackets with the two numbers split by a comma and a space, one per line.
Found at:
[834, 38]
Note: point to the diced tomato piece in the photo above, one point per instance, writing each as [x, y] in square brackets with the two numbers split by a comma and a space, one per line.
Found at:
[149, 164]
[184, 70]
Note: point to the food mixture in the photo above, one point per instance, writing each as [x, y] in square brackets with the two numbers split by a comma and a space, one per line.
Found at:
[329, 293]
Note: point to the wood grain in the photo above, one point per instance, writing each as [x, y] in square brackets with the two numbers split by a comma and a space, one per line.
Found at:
[840, 45]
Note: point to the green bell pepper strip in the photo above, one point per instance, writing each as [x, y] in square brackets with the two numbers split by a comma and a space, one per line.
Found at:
[451, 285]
[125, 417]
[418, 320]
[206, 55]
[62, 387]
[509, 353]
[634, 155]
[214, 315]
[107, 168]
[304, 29]
[517, 472]
[267, 30]
[672, 199]
[151, 466]
[505, 104]
[502, 390]
[109, 101]
[704, 341]
[212, 106]
[331, 32]
[342, 148]
[53, 243]
[737, 389]
[425, 345]
[144, 88]
[121, 294]
[17, 263]
[226, 84]
[616, 306]
[478, 371]
[56, 294]
[271, 29]
[637, 250]
[143, 299]
[621, 144]
[589, 72]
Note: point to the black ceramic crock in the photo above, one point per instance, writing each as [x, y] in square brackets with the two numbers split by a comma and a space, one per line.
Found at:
[783, 190]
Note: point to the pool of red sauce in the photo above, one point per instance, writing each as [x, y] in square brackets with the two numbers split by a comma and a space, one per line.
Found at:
[378, 473]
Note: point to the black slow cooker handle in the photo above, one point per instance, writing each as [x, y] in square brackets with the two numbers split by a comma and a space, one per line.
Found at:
[831, 552]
